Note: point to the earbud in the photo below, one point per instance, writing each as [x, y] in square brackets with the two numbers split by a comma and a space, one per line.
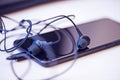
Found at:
[41, 46]
[83, 42]
[35, 48]
[37, 45]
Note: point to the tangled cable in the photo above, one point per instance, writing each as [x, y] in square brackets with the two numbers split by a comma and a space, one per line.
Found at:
[29, 33]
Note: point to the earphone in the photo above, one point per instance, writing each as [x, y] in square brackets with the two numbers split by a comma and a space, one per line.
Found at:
[40, 45]
[82, 43]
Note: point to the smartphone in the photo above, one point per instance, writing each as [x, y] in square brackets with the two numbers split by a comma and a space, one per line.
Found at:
[104, 33]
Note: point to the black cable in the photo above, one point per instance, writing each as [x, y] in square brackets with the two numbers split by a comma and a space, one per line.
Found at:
[17, 46]
[28, 30]
[10, 19]
[26, 54]
[29, 65]
[59, 37]
[74, 53]
[20, 23]
[15, 28]
[11, 63]
[61, 17]
[71, 65]
[51, 19]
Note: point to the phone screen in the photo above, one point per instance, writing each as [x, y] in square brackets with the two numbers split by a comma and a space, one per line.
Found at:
[104, 33]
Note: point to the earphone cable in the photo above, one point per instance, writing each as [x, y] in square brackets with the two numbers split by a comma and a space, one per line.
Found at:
[62, 17]
[20, 43]
[75, 54]
[71, 65]
[28, 30]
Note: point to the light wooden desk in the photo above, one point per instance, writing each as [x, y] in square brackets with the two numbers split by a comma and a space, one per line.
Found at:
[103, 65]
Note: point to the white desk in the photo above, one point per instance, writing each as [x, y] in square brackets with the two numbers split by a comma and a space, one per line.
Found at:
[103, 65]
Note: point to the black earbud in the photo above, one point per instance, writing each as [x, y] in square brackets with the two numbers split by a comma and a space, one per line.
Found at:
[83, 42]
[41, 46]
[1, 27]
[37, 45]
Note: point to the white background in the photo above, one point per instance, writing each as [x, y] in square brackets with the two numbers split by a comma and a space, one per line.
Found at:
[103, 65]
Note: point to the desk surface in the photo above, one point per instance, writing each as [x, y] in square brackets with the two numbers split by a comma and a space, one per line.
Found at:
[103, 65]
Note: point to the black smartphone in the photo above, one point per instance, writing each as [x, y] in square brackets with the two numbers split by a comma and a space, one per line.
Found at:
[104, 33]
